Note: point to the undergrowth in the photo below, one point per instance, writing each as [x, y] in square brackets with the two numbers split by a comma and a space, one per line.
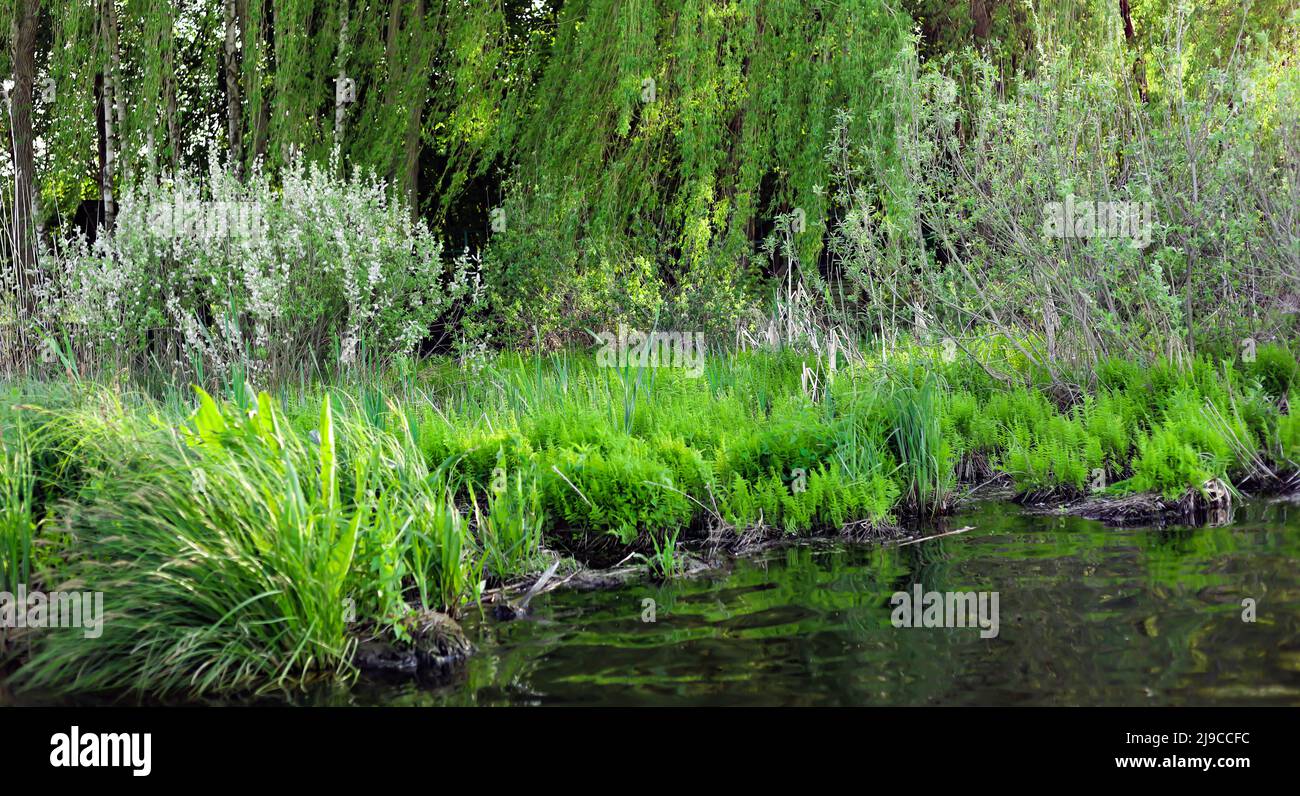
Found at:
[234, 536]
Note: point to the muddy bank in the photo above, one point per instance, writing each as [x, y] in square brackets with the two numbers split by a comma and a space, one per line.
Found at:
[1212, 505]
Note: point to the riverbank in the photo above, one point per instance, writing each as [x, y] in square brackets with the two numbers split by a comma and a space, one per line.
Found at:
[251, 541]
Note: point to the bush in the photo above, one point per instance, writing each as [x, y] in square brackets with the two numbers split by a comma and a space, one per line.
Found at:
[214, 277]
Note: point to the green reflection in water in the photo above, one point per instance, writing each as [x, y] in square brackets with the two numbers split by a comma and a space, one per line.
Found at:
[1088, 615]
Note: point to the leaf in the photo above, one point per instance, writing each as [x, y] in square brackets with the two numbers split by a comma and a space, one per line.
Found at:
[266, 421]
[329, 486]
[209, 423]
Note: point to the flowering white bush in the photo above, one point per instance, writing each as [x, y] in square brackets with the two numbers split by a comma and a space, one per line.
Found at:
[220, 274]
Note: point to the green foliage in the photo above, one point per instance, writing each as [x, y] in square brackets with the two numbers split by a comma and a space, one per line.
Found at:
[666, 561]
[1288, 434]
[225, 277]
[231, 555]
[1166, 464]
[699, 121]
[975, 238]
[231, 540]
[228, 562]
[620, 491]
[793, 437]
[921, 450]
[18, 516]
[1276, 369]
[510, 529]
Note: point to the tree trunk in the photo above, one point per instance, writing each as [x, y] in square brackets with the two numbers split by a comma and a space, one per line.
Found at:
[341, 98]
[169, 93]
[104, 82]
[114, 86]
[23, 37]
[415, 123]
[236, 13]
[982, 20]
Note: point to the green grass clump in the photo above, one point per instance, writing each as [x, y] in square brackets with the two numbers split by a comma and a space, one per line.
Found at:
[228, 555]
[510, 524]
[923, 454]
[1288, 433]
[17, 513]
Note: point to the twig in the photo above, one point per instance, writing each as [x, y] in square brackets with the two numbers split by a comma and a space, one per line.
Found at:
[571, 486]
[936, 536]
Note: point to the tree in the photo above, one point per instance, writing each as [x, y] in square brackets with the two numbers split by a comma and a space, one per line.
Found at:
[236, 16]
[22, 231]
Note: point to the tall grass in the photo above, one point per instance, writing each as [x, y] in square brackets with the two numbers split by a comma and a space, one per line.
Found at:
[225, 563]
[228, 553]
[509, 525]
[17, 513]
[923, 453]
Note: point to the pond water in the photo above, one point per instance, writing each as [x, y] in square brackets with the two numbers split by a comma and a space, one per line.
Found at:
[1087, 615]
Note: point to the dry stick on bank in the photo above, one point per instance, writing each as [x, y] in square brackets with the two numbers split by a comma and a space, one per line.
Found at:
[907, 542]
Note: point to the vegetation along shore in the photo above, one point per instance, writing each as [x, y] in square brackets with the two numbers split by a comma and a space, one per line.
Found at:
[329, 327]
[251, 539]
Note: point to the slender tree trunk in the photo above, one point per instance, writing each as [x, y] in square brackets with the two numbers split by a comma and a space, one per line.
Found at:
[982, 20]
[104, 84]
[23, 233]
[415, 124]
[169, 91]
[236, 16]
[341, 97]
[114, 85]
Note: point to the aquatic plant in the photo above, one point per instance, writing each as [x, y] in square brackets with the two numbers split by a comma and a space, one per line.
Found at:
[508, 528]
[923, 454]
[665, 561]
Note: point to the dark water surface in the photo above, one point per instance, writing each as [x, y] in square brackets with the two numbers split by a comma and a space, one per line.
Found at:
[1088, 615]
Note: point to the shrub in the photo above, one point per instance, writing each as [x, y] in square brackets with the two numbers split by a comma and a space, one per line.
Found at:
[217, 276]
[1288, 432]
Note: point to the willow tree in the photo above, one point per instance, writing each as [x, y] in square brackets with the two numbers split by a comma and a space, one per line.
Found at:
[660, 141]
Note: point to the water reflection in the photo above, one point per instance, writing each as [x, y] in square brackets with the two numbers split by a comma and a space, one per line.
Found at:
[1089, 615]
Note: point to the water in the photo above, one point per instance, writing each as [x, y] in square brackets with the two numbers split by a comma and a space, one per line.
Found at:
[1088, 615]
